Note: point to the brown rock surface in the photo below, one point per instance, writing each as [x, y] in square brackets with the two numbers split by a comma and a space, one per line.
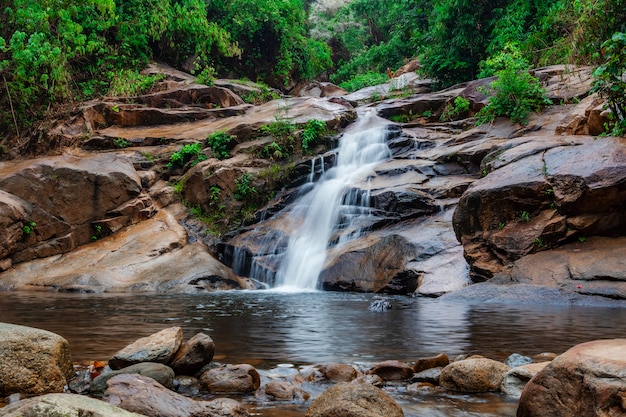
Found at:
[159, 347]
[473, 375]
[354, 400]
[587, 380]
[193, 354]
[240, 379]
[32, 361]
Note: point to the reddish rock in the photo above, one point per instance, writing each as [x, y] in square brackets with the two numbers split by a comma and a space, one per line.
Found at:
[392, 370]
[338, 372]
[473, 375]
[587, 380]
[193, 354]
[423, 364]
[237, 379]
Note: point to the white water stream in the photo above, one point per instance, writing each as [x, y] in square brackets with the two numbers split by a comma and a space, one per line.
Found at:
[330, 205]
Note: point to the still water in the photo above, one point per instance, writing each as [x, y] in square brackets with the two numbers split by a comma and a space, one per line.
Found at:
[266, 328]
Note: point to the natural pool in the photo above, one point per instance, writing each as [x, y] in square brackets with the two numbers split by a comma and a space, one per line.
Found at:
[266, 328]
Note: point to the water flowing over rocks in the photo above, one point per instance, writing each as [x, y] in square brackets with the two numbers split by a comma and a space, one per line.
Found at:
[32, 361]
[587, 380]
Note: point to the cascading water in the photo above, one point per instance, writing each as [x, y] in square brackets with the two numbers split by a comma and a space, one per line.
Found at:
[331, 205]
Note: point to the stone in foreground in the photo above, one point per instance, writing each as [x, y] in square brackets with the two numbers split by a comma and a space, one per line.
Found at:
[159, 347]
[354, 400]
[64, 405]
[587, 380]
[32, 361]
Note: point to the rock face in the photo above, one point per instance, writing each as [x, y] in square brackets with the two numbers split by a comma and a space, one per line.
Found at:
[32, 361]
[64, 405]
[354, 400]
[52, 205]
[473, 375]
[587, 380]
[143, 395]
[541, 194]
[159, 347]
[516, 379]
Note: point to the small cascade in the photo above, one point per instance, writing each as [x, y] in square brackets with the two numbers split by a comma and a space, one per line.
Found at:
[328, 214]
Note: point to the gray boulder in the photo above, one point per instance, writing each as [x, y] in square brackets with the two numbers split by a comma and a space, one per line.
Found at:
[240, 379]
[163, 374]
[64, 405]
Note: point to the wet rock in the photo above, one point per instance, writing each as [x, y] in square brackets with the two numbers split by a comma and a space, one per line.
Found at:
[431, 376]
[143, 395]
[161, 373]
[33, 361]
[193, 354]
[473, 375]
[317, 89]
[392, 370]
[64, 405]
[234, 379]
[516, 359]
[423, 364]
[284, 391]
[516, 379]
[159, 347]
[338, 372]
[354, 400]
[371, 379]
[587, 380]
[379, 305]
[187, 385]
[421, 388]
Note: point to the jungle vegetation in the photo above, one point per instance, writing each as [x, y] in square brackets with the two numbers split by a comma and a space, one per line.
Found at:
[54, 52]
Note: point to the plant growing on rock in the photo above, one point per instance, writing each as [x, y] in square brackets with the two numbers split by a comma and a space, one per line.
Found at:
[458, 107]
[190, 153]
[29, 227]
[515, 93]
[313, 133]
[243, 186]
[219, 142]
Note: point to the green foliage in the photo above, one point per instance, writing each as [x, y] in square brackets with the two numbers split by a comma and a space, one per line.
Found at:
[313, 133]
[121, 143]
[282, 130]
[243, 186]
[219, 142]
[610, 83]
[364, 80]
[514, 94]
[190, 153]
[263, 95]
[29, 227]
[178, 187]
[206, 76]
[453, 110]
[129, 83]
[97, 232]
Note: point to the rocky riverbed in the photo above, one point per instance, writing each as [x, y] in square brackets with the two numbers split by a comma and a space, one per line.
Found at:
[164, 375]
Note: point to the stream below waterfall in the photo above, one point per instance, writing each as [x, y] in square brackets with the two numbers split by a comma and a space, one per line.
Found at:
[268, 328]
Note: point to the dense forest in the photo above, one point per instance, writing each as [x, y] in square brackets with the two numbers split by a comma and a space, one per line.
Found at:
[54, 52]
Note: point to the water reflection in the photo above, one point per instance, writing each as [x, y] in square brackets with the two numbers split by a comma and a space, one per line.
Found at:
[268, 327]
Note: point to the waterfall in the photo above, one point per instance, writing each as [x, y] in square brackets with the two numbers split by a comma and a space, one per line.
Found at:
[332, 205]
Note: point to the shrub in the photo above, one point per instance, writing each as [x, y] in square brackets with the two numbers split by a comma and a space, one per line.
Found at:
[313, 133]
[243, 187]
[218, 142]
[459, 107]
[128, 83]
[364, 80]
[190, 153]
[515, 93]
[609, 81]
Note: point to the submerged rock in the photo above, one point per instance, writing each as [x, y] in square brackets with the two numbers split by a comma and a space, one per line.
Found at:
[33, 361]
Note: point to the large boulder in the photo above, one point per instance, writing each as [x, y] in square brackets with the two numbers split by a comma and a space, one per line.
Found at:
[587, 380]
[33, 361]
[473, 375]
[229, 379]
[144, 395]
[542, 192]
[354, 400]
[64, 405]
[159, 347]
[54, 204]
